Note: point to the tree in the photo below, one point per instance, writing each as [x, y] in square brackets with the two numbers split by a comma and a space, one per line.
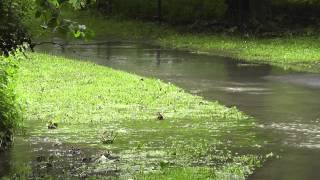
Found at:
[12, 32]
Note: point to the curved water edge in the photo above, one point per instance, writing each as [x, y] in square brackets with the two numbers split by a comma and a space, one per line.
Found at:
[284, 103]
[87, 104]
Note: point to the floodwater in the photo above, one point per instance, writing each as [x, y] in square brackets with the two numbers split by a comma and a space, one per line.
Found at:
[285, 104]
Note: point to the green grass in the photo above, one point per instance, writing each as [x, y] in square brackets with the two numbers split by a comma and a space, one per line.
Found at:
[87, 100]
[180, 174]
[297, 53]
[301, 53]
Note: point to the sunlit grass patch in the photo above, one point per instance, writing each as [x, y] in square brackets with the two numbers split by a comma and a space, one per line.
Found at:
[69, 89]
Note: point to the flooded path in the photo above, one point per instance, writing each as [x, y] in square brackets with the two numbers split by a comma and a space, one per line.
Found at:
[285, 104]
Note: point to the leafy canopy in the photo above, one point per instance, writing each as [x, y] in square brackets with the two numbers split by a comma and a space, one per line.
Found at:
[50, 13]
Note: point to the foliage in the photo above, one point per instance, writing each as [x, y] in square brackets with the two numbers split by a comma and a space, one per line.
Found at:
[12, 32]
[10, 111]
[191, 11]
[49, 12]
[251, 16]
[174, 11]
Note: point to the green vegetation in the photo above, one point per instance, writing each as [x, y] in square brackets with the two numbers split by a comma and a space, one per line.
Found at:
[10, 111]
[173, 11]
[181, 174]
[296, 53]
[149, 129]
[89, 102]
[300, 53]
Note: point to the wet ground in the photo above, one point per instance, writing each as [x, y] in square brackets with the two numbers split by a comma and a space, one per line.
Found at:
[44, 157]
[285, 104]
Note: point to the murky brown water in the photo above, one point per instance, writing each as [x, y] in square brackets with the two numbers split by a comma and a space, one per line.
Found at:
[285, 104]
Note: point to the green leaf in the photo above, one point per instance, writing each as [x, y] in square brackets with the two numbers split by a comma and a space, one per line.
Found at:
[55, 3]
[77, 34]
[38, 14]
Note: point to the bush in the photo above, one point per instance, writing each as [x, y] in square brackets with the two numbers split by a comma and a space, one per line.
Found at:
[12, 32]
[10, 111]
[190, 11]
[144, 9]
[173, 11]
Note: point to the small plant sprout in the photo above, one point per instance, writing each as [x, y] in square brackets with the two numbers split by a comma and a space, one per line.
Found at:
[108, 137]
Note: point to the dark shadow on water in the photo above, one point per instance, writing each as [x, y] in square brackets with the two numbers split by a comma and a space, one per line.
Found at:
[242, 71]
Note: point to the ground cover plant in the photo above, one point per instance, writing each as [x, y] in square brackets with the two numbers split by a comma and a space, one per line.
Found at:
[104, 108]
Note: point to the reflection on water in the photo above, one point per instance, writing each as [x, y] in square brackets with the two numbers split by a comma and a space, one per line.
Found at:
[311, 80]
[285, 104]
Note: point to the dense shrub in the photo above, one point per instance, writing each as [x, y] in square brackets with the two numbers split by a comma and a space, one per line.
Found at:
[138, 8]
[297, 15]
[12, 32]
[173, 11]
[189, 11]
[10, 111]
[248, 16]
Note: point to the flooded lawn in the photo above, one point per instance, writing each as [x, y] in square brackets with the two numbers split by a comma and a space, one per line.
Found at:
[85, 120]
[283, 103]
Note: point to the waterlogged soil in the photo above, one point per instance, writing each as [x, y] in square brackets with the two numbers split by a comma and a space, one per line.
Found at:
[284, 103]
[44, 157]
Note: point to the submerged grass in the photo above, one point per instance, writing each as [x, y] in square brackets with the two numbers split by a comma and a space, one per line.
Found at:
[89, 101]
[295, 52]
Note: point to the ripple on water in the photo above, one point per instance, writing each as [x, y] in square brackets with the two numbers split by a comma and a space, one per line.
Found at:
[310, 80]
[297, 134]
[249, 90]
